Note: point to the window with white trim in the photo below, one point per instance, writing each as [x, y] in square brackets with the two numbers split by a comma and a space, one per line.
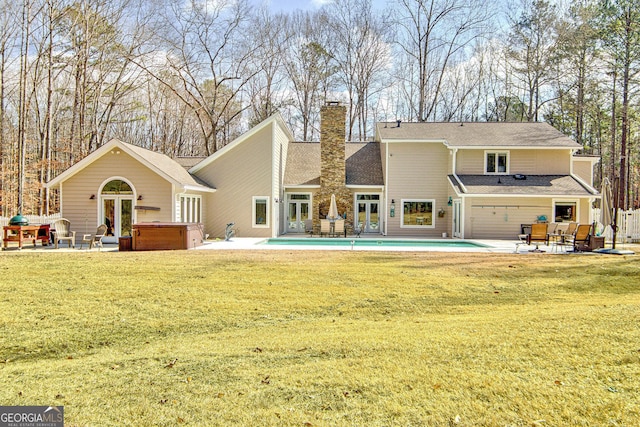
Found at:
[190, 208]
[565, 211]
[260, 212]
[496, 162]
[417, 213]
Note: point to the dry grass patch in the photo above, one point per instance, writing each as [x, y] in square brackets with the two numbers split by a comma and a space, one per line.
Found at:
[322, 338]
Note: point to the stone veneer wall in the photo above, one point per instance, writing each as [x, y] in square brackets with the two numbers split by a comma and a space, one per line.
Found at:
[332, 165]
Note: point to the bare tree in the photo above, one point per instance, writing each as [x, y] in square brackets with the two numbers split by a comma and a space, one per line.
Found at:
[309, 68]
[206, 50]
[267, 90]
[621, 36]
[9, 22]
[432, 37]
[362, 55]
[533, 53]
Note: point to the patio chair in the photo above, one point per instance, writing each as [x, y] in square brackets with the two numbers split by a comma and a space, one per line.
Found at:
[325, 227]
[338, 228]
[581, 238]
[538, 235]
[571, 229]
[62, 232]
[94, 239]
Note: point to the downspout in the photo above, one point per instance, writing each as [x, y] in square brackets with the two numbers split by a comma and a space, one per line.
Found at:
[386, 188]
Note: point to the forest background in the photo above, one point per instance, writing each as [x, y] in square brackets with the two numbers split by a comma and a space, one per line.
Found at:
[187, 77]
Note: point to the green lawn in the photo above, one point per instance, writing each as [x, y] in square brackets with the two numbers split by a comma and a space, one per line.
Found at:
[322, 338]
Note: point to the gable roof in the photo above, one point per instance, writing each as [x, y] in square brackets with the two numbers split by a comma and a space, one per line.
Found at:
[478, 134]
[362, 163]
[161, 164]
[508, 185]
[276, 119]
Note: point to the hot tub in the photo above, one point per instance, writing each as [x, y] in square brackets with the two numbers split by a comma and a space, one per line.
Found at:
[158, 236]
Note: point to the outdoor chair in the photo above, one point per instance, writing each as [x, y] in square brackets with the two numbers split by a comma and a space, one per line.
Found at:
[325, 227]
[338, 227]
[62, 232]
[571, 229]
[94, 239]
[538, 235]
[581, 238]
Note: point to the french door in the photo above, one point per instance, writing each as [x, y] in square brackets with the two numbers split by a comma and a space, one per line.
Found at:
[117, 214]
[297, 212]
[368, 208]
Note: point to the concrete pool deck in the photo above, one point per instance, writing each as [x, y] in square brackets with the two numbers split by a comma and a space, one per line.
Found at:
[247, 243]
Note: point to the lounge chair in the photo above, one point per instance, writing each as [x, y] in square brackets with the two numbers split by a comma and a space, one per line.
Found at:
[325, 227]
[94, 239]
[338, 227]
[538, 235]
[581, 237]
[62, 232]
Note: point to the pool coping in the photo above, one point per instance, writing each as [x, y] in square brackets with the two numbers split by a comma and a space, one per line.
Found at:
[488, 246]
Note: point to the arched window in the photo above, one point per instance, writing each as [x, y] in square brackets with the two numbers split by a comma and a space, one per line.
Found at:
[117, 186]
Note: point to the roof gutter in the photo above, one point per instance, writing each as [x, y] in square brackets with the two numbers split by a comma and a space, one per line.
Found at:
[453, 169]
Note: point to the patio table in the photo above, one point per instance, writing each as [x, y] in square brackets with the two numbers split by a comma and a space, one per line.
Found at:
[22, 233]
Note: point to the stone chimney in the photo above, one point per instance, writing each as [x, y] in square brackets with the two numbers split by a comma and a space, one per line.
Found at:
[332, 140]
[332, 163]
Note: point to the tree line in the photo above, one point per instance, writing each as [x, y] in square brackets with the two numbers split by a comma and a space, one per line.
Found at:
[187, 77]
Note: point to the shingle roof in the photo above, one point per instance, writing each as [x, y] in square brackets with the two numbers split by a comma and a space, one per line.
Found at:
[363, 164]
[535, 185]
[188, 162]
[479, 134]
[169, 166]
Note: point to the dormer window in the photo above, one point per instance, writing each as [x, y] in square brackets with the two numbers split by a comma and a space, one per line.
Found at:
[496, 162]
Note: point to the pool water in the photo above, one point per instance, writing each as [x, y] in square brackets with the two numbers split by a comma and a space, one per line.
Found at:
[372, 242]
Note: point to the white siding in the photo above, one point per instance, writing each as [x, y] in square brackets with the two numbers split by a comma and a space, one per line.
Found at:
[527, 162]
[418, 171]
[82, 212]
[238, 175]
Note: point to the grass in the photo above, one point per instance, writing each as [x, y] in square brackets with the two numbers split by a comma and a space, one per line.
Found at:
[322, 338]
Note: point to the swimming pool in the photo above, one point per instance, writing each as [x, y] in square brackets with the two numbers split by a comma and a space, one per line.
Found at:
[368, 243]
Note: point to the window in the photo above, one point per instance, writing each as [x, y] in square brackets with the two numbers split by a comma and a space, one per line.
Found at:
[260, 212]
[565, 212]
[190, 208]
[417, 213]
[496, 162]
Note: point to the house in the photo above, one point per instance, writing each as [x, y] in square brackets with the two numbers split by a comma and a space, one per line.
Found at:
[466, 180]
[121, 184]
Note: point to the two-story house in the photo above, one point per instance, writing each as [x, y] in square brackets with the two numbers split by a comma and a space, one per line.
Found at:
[465, 180]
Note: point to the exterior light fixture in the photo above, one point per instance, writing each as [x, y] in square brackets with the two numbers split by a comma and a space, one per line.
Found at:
[92, 197]
[450, 201]
[393, 208]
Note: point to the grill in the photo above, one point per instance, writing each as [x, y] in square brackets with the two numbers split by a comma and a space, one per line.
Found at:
[19, 220]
